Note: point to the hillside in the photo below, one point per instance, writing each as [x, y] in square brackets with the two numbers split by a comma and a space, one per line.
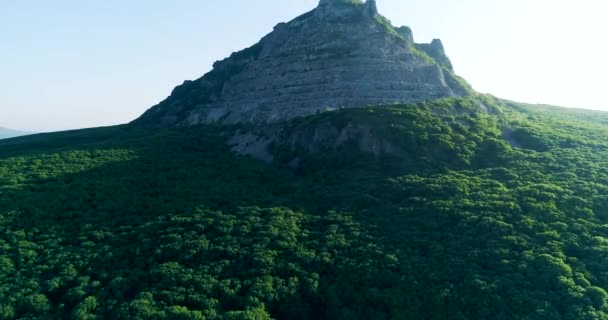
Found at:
[336, 169]
[471, 208]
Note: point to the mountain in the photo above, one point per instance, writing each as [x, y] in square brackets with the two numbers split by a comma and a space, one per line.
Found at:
[342, 54]
[469, 215]
[9, 133]
[463, 206]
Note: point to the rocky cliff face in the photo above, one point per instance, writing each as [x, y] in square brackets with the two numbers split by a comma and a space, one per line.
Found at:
[342, 54]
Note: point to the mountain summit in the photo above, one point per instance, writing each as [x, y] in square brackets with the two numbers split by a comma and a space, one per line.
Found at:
[342, 54]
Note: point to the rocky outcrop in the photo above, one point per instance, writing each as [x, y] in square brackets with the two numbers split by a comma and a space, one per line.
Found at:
[316, 136]
[342, 54]
[436, 51]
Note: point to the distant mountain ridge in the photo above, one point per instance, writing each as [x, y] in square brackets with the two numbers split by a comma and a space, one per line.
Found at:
[342, 54]
[6, 133]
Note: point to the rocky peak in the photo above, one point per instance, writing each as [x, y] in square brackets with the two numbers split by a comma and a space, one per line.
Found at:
[332, 11]
[338, 7]
[371, 7]
[436, 51]
[330, 3]
[342, 54]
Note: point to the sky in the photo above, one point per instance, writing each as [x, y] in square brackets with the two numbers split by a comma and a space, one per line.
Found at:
[68, 64]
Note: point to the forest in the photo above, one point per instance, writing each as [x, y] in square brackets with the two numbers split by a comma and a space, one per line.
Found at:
[491, 210]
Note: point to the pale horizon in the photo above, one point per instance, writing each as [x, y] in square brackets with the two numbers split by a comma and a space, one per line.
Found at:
[71, 65]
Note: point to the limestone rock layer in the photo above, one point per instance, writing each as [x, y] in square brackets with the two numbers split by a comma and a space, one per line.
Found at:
[342, 54]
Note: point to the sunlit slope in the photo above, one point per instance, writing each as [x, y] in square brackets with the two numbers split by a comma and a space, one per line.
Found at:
[468, 209]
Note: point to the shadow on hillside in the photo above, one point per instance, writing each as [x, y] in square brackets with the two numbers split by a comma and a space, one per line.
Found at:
[117, 217]
[89, 205]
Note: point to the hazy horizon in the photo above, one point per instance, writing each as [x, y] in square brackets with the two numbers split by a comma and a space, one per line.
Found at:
[73, 65]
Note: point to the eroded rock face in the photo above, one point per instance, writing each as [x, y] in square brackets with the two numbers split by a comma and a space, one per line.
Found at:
[342, 54]
[311, 137]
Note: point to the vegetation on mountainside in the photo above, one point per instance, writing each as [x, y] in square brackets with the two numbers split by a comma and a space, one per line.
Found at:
[123, 223]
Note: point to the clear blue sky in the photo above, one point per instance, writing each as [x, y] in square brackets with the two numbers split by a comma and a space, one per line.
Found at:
[73, 63]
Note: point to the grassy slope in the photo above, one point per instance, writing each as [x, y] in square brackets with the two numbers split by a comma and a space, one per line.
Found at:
[120, 223]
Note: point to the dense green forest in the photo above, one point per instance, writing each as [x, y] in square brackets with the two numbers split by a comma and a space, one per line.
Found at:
[490, 210]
